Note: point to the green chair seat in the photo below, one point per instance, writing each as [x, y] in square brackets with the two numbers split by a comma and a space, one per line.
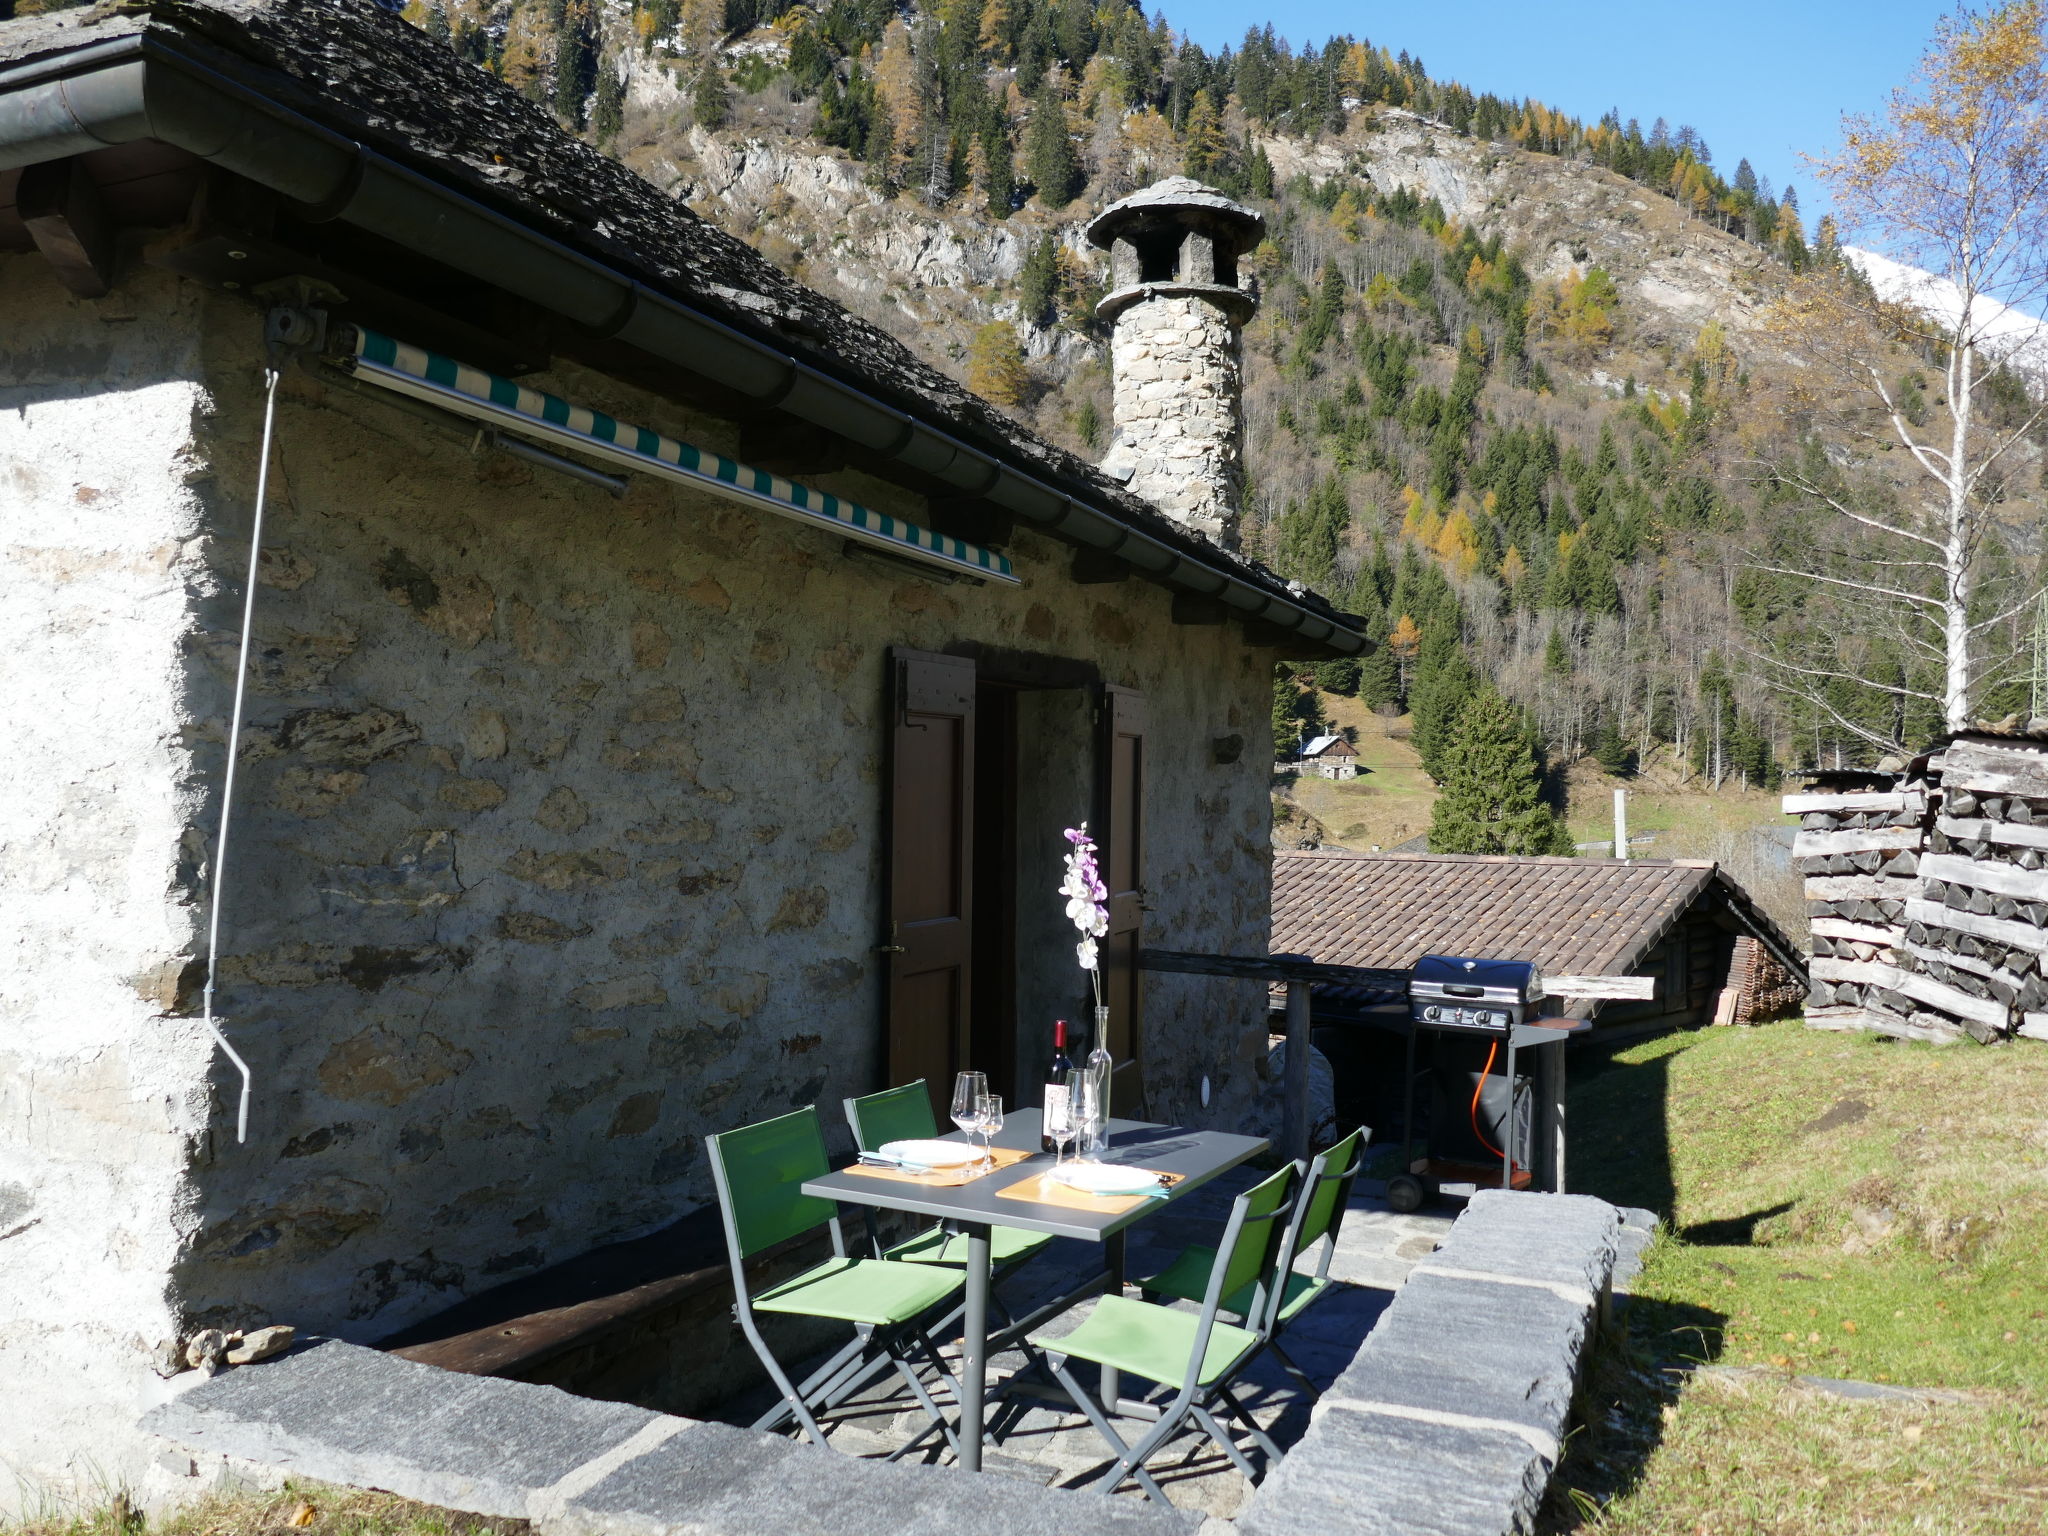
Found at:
[861, 1291]
[1006, 1245]
[1187, 1279]
[1153, 1342]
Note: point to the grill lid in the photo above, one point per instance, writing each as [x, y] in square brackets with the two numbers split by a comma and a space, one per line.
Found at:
[1498, 981]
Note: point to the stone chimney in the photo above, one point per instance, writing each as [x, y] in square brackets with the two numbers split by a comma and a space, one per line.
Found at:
[1177, 309]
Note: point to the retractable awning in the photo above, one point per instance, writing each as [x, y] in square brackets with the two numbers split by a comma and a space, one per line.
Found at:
[512, 407]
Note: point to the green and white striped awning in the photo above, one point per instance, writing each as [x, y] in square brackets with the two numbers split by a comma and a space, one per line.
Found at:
[442, 381]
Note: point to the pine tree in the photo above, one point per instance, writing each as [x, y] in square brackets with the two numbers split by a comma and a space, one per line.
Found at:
[1492, 796]
[709, 101]
[1286, 713]
[609, 115]
[1445, 681]
[1379, 681]
[1038, 281]
[1204, 150]
[1049, 152]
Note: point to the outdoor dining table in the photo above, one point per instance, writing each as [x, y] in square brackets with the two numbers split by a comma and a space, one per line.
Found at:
[973, 1208]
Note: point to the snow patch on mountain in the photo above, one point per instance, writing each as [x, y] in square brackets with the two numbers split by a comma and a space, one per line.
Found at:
[2011, 335]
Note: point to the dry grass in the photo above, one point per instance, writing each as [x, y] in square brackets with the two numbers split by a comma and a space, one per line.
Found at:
[297, 1509]
[1840, 1207]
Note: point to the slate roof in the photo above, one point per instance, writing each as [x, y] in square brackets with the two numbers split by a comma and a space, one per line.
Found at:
[1573, 917]
[1321, 744]
[369, 73]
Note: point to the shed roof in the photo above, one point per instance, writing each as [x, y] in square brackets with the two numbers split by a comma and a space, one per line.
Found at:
[380, 82]
[1573, 917]
[1327, 743]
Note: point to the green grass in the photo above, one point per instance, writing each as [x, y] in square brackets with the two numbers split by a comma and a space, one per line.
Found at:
[1838, 1206]
[297, 1509]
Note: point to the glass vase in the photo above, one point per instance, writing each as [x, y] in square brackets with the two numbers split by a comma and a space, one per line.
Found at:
[1095, 1082]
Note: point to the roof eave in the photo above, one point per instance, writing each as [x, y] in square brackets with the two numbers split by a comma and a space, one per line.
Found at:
[164, 84]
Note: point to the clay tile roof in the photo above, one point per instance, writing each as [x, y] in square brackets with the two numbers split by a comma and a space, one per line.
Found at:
[1573, 917]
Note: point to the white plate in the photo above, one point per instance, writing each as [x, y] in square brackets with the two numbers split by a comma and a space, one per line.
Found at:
[931, 1154]
[1107, 1179]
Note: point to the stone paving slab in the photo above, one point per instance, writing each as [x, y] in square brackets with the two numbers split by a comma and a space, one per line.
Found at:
[340, 1413]
[1569, 1241]
[732, 1482]
[1366, 1475]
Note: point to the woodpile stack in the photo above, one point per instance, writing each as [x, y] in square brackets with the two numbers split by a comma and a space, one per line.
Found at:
[1979, 927]
[1858, 847]
[1928, 891]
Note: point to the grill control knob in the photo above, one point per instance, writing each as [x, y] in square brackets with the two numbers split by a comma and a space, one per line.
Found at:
[1432, 1012]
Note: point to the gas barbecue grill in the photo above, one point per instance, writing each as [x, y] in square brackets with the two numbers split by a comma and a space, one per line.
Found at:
[1469, 1020]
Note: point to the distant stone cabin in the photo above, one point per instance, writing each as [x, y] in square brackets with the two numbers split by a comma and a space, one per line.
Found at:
[567, 493]
[1331, 756]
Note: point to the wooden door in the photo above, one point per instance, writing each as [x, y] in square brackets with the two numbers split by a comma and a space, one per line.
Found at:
[1120, 834]
[930, 881]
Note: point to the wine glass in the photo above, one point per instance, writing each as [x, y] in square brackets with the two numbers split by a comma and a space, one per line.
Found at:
[1059, 1130]
[991, 1121]
[969, 1089]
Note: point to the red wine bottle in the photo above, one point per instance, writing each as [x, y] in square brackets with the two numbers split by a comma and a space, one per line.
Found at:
[1059, 1103]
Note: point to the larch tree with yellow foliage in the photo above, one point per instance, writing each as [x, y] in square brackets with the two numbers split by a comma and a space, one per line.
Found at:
[1952, 177]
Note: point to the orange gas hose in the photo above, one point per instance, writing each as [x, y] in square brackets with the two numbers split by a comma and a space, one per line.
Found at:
[1492, 1051]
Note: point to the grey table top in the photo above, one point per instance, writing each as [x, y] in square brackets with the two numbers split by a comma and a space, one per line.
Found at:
[1198, 1156]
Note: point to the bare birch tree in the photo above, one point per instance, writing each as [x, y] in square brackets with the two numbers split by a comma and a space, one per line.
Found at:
[1951, 177]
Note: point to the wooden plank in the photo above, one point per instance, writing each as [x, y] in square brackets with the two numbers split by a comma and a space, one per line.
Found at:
[1986, 875]
[1589, 988]
[1927, 990]
[1873, 973]
[1858, 887]
[2011, 775]
[1800, 805]
[2012, 833]
[1969, 963]
[2034, 1026]
[1861, 933]
[2002, 930]
[1806, 845]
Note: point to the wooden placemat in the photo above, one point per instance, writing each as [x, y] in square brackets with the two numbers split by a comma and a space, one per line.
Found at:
[1044, 1189]
[945, 1178]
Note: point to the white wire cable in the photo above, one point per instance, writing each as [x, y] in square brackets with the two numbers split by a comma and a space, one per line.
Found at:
[218, 882]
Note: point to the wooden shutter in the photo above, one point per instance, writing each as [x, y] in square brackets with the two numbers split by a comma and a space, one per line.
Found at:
[930, 884]
[1120, 833]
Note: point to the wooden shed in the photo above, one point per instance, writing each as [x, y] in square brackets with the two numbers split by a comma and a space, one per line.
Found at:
[1331, 756]
[1713, 953]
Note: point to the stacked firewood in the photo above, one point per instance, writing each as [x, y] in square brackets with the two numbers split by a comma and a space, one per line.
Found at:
[1929, 894]
[1858, 847]
[1979, 927]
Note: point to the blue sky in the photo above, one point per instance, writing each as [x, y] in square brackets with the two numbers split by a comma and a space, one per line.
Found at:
[1764, 81]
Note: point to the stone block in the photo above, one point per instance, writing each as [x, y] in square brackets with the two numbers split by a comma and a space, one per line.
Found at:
[715, 1480]
[344, 1414]
[1564, 1240]
[1369, 1475]
[1507, 1353]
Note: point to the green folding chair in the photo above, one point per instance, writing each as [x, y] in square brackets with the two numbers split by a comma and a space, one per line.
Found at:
[905, 1114]
[1200, 1355]
[1318, 1214]
[759, 1171]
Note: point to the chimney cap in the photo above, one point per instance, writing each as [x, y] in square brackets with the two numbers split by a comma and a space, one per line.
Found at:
[1177, 195]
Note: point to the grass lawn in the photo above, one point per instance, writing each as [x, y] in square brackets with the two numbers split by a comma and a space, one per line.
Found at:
[1390, 800]
[298, 1509]
[1839, 1207]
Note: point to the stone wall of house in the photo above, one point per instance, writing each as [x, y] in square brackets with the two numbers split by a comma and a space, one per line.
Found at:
[521, 908]
[1178, 367]
[103, 1076]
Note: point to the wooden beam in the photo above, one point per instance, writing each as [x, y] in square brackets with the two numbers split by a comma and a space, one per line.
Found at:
[1639, 989]
[69, 224]
[1273, 968]
[971, 518]
[1188, 608]
[1799, 805]
[1984, 875]
[2014, 833]
[784, 445]
[2000, 930]
[1093, 568]
[1807, 845]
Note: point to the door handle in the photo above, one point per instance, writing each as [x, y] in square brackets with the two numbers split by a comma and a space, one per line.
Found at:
[888, 949]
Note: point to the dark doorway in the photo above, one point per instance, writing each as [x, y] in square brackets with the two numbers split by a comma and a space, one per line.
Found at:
[992, 1012]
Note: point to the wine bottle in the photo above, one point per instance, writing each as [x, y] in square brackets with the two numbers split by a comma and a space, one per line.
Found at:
[1059, 1091]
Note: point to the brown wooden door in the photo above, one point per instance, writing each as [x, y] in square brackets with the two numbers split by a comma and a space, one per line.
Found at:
[1120, 834]
[930, 883]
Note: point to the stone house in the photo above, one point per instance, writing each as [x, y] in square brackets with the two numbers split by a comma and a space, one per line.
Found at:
[512, 915]
[1331, 756]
